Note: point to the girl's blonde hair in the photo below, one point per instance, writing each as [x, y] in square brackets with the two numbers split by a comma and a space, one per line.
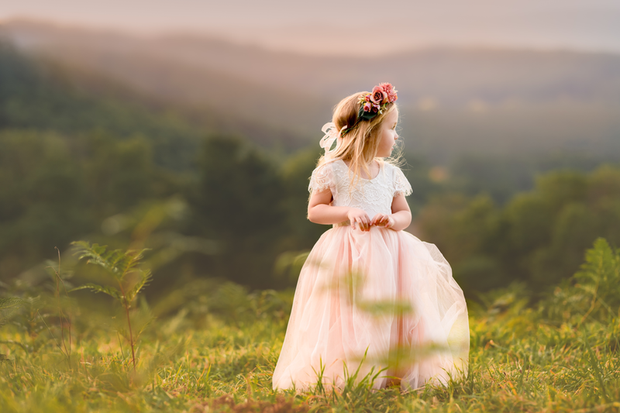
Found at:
[360, 143]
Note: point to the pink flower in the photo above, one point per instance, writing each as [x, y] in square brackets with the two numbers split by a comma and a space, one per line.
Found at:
[378, 96]
[367, 98]
[367, 107]
[389, 91]
[375, 107]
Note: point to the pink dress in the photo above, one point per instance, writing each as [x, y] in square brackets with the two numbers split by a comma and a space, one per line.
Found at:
[372, 300]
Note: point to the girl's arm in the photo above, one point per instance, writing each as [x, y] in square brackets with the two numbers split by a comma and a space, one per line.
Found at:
[400, 217]
[321, 212]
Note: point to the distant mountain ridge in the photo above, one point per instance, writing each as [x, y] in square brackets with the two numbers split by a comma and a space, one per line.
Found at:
[450, 75]
[139, 64]
[452, 100]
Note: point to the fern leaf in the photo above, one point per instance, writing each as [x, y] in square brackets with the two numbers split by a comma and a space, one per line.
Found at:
[130, 262]
[10, 302]
[95, 254]
[99, 255]
[116, 262]
[145, 279]
[112, 292]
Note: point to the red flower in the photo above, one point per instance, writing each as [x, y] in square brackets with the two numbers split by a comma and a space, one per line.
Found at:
[389, 91]
[378, 96]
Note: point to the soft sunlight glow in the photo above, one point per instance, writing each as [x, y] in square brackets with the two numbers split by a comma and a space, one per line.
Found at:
[346, 27]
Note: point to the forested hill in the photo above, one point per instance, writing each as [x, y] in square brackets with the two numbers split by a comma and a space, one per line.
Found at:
[39, 93]
[35, 96]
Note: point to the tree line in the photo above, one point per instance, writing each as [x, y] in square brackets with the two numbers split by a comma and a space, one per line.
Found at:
[538, 236]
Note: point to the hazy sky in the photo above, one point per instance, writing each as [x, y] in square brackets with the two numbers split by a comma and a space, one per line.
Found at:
[360, 26]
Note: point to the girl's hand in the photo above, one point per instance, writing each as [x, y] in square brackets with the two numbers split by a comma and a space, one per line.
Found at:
[358, 217]
[383, 220]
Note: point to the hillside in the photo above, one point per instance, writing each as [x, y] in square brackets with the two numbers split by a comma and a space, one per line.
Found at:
[454, 102]
[37, 97]
[250, 107]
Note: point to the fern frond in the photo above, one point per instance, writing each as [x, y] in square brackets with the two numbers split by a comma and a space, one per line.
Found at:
[112, 292]
[10, 302]
[99, 255]
[116, 262]
[145, 279]
[95, 254]
[130, 261]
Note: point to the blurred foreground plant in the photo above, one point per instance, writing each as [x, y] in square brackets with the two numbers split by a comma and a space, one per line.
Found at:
[125, 271]
[64, 317]
[592, 294]
[7, 304]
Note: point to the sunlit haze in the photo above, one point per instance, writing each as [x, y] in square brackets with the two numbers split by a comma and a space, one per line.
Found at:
[349, 27]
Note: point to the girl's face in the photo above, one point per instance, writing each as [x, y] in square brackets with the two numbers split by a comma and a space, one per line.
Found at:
[387, 134]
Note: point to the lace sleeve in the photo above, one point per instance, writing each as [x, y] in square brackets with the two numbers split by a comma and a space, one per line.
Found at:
[401, 184]
[321, 179]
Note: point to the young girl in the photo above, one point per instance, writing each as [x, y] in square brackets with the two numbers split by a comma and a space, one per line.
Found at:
[370, 296]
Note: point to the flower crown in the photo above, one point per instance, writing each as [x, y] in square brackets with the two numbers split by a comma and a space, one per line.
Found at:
[375, 103]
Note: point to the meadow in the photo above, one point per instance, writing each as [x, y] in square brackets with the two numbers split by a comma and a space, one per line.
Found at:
[216, 352]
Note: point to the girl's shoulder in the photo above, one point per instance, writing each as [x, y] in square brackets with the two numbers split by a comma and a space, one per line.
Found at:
[390, 167]
[325, 175]
[331, 167]
[335, 163]
[398, 179]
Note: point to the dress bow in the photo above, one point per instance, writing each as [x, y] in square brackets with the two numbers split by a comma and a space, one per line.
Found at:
[331, 135]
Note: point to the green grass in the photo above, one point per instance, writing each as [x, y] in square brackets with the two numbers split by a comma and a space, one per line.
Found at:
[559, 354]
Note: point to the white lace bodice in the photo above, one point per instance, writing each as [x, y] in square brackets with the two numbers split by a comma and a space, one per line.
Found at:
[372, 195]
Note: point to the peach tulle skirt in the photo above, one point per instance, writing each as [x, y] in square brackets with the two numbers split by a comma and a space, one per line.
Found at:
[372, 301]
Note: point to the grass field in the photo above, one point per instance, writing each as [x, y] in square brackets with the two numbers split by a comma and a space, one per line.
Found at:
[560, 353]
